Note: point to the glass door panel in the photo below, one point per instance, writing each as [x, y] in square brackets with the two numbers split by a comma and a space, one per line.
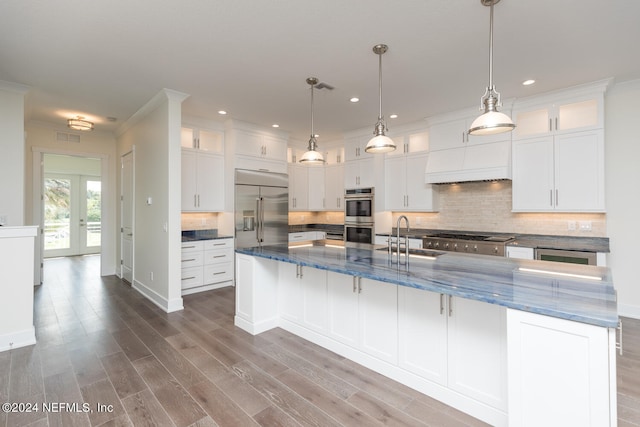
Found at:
[90, 216]
[57, 213]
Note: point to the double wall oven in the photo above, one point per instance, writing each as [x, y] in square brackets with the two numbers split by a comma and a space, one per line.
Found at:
[359, 215]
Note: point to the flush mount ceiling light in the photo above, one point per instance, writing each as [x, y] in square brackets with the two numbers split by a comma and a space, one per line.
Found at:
[312, 157]
[491, 121]
[380, 143]
[79, 124]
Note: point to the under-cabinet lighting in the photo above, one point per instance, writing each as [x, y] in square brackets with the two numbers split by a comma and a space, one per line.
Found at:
[307, 245]
[422, 256]
[334, 246]
[557, 273]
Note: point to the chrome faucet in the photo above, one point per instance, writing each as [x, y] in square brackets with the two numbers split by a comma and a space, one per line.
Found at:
[398, 244]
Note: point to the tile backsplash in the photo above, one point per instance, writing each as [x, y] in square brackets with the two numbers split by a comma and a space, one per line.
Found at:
[480, 206]
[199, 220]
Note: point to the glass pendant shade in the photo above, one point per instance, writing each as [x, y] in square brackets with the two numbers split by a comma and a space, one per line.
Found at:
[312, 157]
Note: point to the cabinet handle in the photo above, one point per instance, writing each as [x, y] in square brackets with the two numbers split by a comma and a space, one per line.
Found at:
[219, 244]
[219, 256]
[619, 343]
[441, 303]
[354, 284]
[556, 197]
[297, 271]
[195, 203]
[359, 285]
[188, 247]
[198, 200]
[198, 142]
[550, 127]
[338, 201]
[188, 278]
[219, 272]
[450, 305]
[188, 260]
[550, 197]
[301, 272]
[556, 123]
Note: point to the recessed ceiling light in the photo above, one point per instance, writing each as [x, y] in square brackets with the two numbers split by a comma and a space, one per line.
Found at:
[354, 99]
[393, 116]
[222, 112]
[275, 125]
[528, 82]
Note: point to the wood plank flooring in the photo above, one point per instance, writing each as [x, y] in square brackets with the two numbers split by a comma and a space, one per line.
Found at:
[101, 343]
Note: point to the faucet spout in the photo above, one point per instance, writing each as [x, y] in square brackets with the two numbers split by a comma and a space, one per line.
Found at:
[406, 239]
[400, 218]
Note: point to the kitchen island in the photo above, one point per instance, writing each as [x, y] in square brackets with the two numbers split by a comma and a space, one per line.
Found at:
[512, 342]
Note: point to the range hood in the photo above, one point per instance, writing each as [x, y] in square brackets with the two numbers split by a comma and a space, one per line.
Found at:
[475, 162]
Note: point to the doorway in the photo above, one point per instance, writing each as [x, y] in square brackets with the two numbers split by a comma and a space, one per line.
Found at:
[71, 205]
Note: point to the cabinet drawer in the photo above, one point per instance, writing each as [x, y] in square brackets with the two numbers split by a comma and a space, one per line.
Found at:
[218, 273]
[192, 277]
[217, 256]
[218, 244]
[192, 259]
[192, 246]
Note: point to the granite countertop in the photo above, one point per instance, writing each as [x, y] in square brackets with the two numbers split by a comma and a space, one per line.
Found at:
[570, 243]
[211, 234]
[335, 228]
[535, 286]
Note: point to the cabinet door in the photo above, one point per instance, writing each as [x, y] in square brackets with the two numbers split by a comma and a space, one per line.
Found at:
[420, 196]
[351, 174]
[533, 174]
[189, 181]
[315, 299]
[559, 372]
[315, 189]
[535, 121]
[395, 179]
[211, 141]
[343, 308]
[354, 149]
[422, 340]
[367, 172]
[418, 142]
[334, 187]
[289, 292]
[210, 170]
[275, 149]
[250, 144]
[187, 138]
[378, 318]
[298, 187]
[478, 351]
[579, 171]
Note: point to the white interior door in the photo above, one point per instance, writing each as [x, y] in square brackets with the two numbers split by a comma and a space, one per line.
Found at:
[127, 215]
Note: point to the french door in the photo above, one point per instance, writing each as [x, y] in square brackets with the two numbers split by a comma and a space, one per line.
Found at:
[72, 214]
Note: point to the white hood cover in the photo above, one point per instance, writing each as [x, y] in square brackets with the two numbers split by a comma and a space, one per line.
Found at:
[476, 162]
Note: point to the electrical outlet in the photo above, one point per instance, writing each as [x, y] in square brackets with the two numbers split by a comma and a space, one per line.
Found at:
[151, 276]
[585, 225]
[571, 225]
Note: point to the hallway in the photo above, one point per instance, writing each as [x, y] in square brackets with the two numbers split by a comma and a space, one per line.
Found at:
[100, 342]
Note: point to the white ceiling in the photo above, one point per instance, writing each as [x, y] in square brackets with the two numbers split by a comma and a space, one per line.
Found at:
[104, 59]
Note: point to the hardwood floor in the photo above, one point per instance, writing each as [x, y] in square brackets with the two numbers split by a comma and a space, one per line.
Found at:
[101, 343]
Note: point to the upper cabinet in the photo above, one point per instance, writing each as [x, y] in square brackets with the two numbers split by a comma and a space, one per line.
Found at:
[202, 139]
[410, 144]
[262, 146]
[454, 134]
[202, 182]
[558, 151]
[354, 149]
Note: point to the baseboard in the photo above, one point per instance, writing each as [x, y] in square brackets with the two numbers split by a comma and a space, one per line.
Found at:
[206, 288]
[18, 339]
[632, 311]
[255, 328]
[165, 304]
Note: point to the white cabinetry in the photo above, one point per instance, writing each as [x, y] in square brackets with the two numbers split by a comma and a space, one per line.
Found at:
[256, 151]
[316, 188]
[362, 315]
[543, 349]
[206, 265]
[558, 151]
[302, 296]
[298, 187]
[359, 165]
[405, 187]
[306, 235]
[559, 173]
[202, 139]
[256, 293]
[334, 187]
[455, 134]
[455, 342]
[202, 181]
[519, 252]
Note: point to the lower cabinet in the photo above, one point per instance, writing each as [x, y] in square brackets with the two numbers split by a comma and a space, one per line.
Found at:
[456, 342]
[206, 265]
[302, 295]
[543, 349]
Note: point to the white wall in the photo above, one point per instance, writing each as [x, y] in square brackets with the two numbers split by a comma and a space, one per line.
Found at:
[155, 132]
[12, 174]
[622, 157]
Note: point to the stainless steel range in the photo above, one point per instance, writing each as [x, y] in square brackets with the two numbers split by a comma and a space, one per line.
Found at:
[470, 243]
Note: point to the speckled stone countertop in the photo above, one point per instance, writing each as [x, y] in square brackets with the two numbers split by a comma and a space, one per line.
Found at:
[569, 243]
[535, 286]
[210, 234]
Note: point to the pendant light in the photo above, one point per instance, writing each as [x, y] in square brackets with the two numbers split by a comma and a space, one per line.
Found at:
[380, 143]
[491, 121]
[312, 157]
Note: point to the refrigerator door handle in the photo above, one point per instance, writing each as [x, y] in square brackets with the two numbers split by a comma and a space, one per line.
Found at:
[262, 218]
[258, 223]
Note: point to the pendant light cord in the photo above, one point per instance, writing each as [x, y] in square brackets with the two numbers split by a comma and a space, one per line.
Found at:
[312, 133]
[491, 46]
[380, 84]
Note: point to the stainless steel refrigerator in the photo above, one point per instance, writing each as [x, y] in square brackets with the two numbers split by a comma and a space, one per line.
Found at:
[262, 208]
